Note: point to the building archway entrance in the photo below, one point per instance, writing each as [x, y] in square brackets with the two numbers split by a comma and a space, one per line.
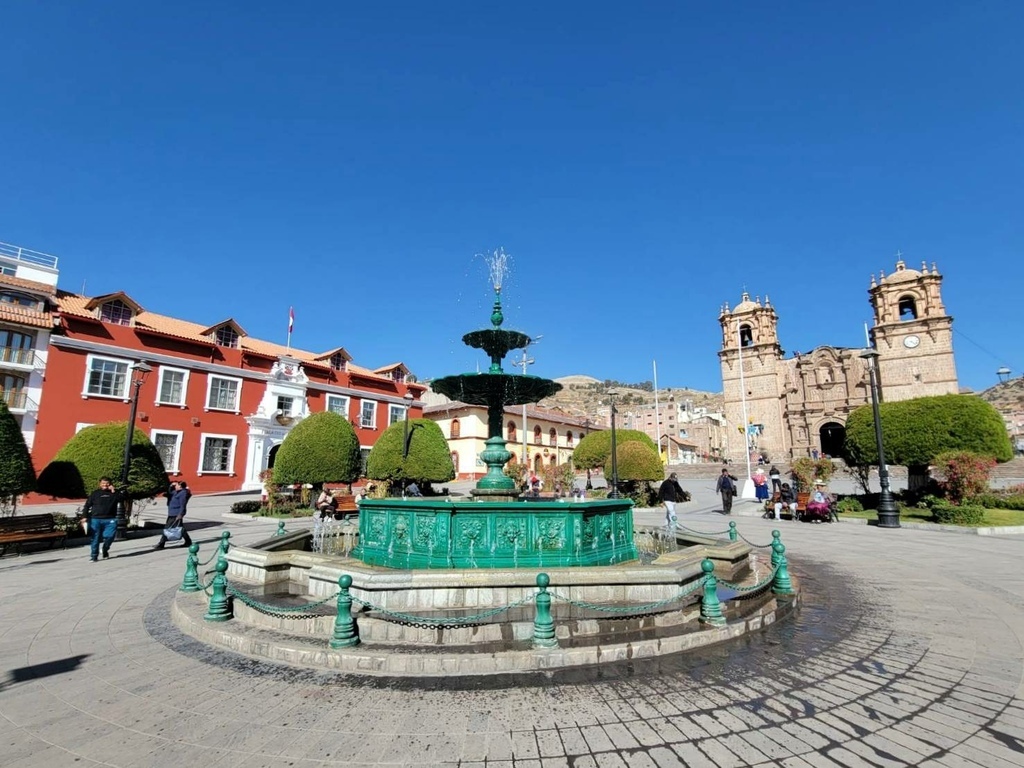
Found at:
[272, 456]
[832, 435]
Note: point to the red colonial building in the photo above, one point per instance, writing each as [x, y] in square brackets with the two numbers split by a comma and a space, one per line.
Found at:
[217, 403]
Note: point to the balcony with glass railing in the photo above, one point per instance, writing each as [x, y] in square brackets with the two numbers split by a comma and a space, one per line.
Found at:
[13, 357]
[17, 400]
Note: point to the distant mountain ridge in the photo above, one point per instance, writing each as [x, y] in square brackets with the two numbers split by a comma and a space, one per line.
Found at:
[583, 395]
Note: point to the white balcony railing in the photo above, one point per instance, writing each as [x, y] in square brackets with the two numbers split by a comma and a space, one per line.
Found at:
[17, 400]
[17, 356]
[28, 256]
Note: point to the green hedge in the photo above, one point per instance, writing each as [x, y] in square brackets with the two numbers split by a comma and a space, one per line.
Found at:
[246, 507]
[849, 504]
[999, 501]
[965, 514]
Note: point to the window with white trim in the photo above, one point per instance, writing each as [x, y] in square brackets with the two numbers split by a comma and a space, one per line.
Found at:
[364, 456]
[218, 454]
[173, 386]
[338, 404]
[222, 393]
[368, 414]
[285, 404]
[106, 377]
[168, 444]
[395, 413]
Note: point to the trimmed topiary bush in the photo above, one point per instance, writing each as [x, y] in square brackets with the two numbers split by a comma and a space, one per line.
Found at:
[97, 451]
[915, 431]
[594, 449]
[322, 448]
[16, 473]
[638, 466]
[429, 460]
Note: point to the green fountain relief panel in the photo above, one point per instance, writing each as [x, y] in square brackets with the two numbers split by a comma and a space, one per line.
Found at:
[403, 533]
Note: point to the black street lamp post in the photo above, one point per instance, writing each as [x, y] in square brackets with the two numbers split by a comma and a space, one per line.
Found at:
[888, 513]
[589, 485]
[406, 437]
[614, 493]
[139, 373]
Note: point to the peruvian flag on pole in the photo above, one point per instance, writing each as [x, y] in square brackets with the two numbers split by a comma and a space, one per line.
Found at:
[291, 319]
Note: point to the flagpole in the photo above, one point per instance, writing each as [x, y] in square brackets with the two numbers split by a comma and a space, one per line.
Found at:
[657, 414]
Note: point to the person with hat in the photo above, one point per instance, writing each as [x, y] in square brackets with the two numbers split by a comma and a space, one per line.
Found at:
[671, 492]
[819, 506]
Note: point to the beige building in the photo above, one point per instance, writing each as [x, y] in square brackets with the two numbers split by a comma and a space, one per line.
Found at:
[551, 436]
[798, 406]
[694, 434]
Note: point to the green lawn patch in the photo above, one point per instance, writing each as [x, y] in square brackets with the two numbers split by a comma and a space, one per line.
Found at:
[993, 517]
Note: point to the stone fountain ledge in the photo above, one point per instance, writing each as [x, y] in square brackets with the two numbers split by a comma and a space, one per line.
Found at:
[188, 609]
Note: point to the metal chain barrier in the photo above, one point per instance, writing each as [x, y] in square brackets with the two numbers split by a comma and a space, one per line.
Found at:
[703, 533]
[750, 588]
[628, 611]
[282, 611]
[430, 622]
[756, 546]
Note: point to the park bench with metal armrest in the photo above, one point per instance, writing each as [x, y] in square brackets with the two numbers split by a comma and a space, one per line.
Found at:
[19, 529]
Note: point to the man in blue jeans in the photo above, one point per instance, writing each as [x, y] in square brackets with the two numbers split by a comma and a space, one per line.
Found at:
[101, 509]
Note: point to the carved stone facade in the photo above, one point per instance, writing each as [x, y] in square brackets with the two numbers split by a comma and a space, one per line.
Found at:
[798, 406]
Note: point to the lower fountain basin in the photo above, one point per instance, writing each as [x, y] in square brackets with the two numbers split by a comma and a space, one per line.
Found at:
[440, 533]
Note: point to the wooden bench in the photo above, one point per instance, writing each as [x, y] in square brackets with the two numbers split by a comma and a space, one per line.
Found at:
[345, 506]
[801, 505]
[19, 529]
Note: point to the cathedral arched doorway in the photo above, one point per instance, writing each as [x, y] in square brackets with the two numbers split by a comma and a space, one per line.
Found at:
[832, 435]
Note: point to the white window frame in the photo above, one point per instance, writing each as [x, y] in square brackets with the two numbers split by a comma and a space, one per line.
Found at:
[362, 404]
[184, 385]
[391, 413]
[230, 472]
[82, 425]
[344, 398]
[209, 389]
[180, 435]
[292, 406]
[89, 359]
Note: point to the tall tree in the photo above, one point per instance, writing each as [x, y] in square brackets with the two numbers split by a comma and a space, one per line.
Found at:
[322, 448]
[98, 451]
[16, 473]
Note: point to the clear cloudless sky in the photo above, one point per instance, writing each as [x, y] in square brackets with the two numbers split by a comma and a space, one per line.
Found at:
[641, 162]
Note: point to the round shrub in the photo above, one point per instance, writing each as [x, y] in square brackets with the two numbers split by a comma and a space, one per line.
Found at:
[98, 451]
[429, 459]
[322, 448]
[594, 449]
[16, 473]
[246, 507]
[849, 504]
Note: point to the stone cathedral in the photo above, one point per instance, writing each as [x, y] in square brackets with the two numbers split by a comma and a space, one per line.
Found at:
[798, 406]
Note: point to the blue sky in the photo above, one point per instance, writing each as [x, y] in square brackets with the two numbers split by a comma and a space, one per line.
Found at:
[641, 162]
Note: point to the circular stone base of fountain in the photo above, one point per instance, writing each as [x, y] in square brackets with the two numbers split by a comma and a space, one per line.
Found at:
[394, 609]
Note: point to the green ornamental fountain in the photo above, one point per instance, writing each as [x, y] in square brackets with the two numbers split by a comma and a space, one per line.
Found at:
[496, 528]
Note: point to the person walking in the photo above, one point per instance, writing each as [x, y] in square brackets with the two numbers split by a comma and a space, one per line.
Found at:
[101, 509]
[176, 509]
[670, 493]
[726, 486]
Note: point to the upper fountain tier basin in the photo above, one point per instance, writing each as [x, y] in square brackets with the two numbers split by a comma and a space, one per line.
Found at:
[495, 389]
[496, 342]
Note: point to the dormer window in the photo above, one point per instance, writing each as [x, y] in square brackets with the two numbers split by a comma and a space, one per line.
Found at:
[337, 362]
[19, 299]
[398, 375]
[227, 336]
[116, 312]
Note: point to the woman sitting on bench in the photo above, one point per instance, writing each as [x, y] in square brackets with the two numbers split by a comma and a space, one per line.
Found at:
[819, 507]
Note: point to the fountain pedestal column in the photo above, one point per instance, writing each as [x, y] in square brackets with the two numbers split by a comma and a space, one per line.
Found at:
[495, 484]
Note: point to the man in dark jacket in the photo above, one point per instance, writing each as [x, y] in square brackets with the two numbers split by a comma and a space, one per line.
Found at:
[671, 492]
[101, 509]
[177, 505]
[727, 487]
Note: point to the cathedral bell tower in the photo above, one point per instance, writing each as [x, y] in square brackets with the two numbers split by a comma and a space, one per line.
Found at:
[750, 334]
[912, 334]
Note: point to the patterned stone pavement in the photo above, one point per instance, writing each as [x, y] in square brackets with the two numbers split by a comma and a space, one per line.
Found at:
[907, 651]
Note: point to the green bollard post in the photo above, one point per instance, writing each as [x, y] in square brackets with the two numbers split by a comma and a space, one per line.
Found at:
[543, 624]
[191, 581]
[222, 548]
[280, 529]
[782, 584]
[734, 535]
[710, 606]
[220, 606]
[776, 539]
[346, 633]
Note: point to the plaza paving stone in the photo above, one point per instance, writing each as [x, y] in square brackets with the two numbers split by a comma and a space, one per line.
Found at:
[908, 650]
